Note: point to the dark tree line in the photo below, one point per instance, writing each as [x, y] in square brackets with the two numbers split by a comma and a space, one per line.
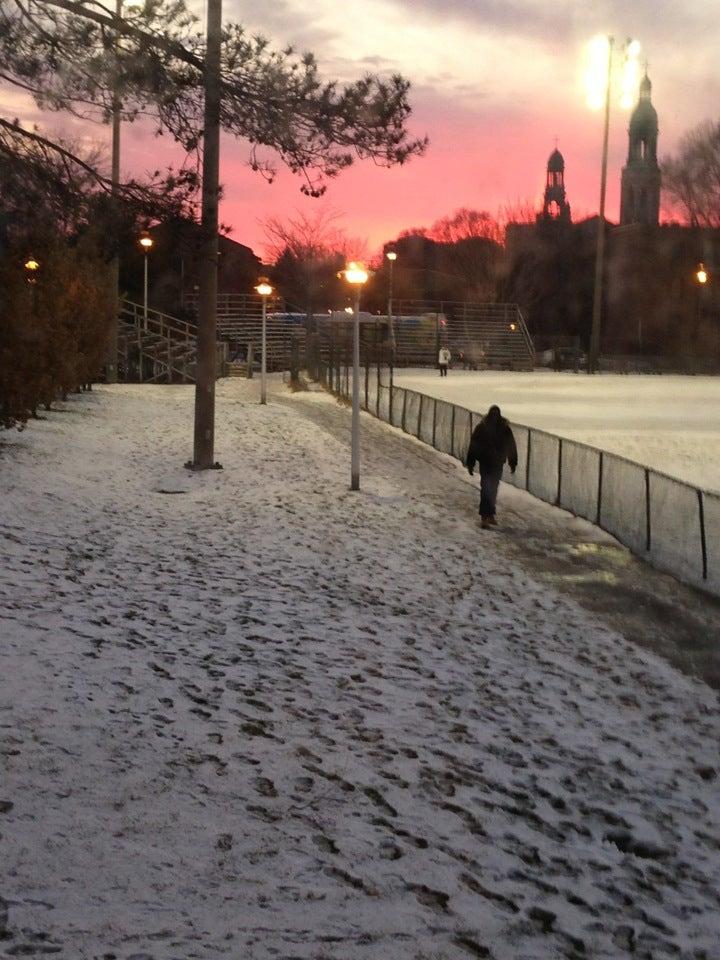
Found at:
[53, 322]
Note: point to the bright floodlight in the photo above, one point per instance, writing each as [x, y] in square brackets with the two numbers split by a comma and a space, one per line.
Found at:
[264, 288]
[146, 242]
[31, 264]
[630, 79]
[356, 273]
[701, 274]
[596, 71]
[391, 255]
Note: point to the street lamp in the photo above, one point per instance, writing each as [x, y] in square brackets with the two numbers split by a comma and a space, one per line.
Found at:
[599, 91]
[701, 278]
[392, 257]
[265, 291]
[146, 243]
[356, 275]
[32, 266]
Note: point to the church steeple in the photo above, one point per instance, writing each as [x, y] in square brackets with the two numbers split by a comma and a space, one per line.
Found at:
[640, 189]
[555, 205]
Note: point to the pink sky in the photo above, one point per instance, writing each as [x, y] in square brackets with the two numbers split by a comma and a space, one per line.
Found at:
[494, 82]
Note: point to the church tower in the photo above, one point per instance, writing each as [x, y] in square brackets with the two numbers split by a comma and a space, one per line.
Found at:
[640, 186]
[555, 205]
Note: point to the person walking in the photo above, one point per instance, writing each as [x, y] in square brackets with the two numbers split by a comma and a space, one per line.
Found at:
[491, 445]
[444, 357]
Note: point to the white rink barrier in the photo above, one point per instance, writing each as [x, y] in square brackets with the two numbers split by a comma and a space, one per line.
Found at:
[672, 524]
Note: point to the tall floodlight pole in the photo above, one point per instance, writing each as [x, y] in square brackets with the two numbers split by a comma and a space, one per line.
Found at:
[594, 354]
[111, 371]
[600, 90]
[204, 432]
[265, 290]
[356, 275]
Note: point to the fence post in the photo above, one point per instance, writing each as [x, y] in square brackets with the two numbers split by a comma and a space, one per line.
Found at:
[392, 386]
[647, 509]
[527, 460]
[559, 486]
[703, 543]
[379, 367]
[434, 420]
[294, 360]
[419, 428]
[404, 409]
[452, 432]
[249, 373]
[599, 489]
[367, 381]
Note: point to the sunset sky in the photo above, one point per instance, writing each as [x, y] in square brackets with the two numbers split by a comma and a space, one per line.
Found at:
[494, 83]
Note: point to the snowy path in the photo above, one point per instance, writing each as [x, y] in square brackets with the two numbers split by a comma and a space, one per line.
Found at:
[266, 717]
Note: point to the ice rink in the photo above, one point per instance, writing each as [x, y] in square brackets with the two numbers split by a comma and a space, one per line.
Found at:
[670, 423]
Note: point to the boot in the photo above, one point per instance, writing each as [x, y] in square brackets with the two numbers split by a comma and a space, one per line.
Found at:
[485, 522]
[492, 520]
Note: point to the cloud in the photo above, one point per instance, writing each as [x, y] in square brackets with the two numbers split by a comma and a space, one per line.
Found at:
[284, 22]
[565, 18]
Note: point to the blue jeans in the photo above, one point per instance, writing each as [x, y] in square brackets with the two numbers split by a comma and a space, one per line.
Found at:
[489, 483]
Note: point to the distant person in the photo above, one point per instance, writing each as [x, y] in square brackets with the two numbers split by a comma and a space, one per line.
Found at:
[492, 443]
[444, 358]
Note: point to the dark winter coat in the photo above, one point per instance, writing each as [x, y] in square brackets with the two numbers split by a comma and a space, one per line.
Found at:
[492, 443]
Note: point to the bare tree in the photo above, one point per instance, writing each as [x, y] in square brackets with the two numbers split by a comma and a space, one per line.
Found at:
[691, 179]
[466, 224]
[307, 250]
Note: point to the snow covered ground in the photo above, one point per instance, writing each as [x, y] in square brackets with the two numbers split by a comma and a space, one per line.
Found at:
[671, 423]
[250, 714]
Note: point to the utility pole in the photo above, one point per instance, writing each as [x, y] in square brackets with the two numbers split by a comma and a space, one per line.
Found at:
[204, 434]
[111, 371]
[593, 361]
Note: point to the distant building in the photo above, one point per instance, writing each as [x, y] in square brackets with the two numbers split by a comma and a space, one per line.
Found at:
[555, 205]
[174, 263]
[653, 304]
[640, 184]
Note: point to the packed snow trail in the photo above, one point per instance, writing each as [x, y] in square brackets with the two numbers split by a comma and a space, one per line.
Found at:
[251, 714]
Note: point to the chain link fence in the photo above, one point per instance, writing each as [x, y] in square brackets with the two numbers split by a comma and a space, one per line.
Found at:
[672, 524]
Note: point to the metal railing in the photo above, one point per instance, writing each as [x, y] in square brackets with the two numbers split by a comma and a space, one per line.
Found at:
[668, 522]
[154, 346]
